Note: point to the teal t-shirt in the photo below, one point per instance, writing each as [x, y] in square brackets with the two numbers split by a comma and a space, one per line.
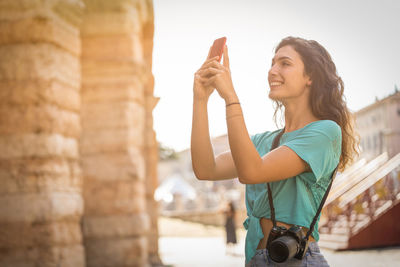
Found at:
[296, 199]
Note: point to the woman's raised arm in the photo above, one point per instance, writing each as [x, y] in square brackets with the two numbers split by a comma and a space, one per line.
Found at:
[205, 165]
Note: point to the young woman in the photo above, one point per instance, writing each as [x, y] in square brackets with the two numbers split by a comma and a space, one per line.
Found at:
[317, 137]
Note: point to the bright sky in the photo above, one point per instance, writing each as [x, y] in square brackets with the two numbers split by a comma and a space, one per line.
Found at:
[362, 36]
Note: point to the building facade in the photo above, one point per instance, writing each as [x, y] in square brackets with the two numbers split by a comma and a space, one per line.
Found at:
[379, 127]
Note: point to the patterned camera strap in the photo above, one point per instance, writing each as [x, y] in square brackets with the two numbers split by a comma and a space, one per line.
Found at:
[275, 144]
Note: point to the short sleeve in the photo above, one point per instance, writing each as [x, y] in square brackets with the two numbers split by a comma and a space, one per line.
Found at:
[256, 139]
[320, 146]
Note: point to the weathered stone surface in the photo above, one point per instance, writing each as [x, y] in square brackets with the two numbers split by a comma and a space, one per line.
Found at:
[23, 62]
[130, 251]
[38, 91]
[151, 171]
[116, 197]
[116, 226]
[68, 256]
[149, 89]
[40, 175]
[153, 240]
[37, 145]
[131, 91]
[102, 116]
[43, 28]
[152, 208]
[26, 234]
[119, 48]
[40, 207]
[110, 22]
[70, 11]
[42, 118]
[114, 131]
[121, 166]
[103, 71]
[110, 140]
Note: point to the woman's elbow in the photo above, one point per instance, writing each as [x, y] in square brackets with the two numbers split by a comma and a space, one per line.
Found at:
[200, 175]
[245, 179]
[242, 180]
[248, 178]
[249, 174]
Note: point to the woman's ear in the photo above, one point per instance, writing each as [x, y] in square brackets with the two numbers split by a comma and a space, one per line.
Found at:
[309, 82]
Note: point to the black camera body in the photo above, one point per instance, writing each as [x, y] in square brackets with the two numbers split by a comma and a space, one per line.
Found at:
[284, 243]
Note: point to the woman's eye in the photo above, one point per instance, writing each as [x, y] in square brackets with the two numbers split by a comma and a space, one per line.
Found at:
[285, 63]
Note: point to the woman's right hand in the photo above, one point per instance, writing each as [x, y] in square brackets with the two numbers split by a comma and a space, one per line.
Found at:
[200, 91]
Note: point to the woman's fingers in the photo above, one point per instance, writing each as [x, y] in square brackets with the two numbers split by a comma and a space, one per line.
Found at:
[226, 57]
[213, 64]
[210, 60]
[207, 81]
[209, 72]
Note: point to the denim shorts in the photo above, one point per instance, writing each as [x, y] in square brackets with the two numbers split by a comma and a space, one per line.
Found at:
[313, 257]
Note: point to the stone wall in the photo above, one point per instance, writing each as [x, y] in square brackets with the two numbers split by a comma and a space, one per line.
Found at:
[78, 152]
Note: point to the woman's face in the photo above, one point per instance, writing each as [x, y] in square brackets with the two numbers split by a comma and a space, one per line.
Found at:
[286, 77]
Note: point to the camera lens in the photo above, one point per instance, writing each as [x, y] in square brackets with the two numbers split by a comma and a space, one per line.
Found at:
[283, 248]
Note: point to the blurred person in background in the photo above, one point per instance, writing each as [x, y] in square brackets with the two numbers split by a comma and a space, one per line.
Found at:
[230, 228]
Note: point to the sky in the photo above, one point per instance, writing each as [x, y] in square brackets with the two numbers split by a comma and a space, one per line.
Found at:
[362, 36]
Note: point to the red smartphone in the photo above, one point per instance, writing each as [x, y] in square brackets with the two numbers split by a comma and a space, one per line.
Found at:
[218, 48]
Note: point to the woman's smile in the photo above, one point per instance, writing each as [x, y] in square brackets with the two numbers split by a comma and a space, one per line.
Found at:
[274, 85]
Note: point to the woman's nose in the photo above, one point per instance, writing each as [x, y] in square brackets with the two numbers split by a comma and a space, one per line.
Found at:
[272, 71]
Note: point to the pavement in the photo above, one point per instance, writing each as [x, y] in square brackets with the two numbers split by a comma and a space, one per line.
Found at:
[205, 246]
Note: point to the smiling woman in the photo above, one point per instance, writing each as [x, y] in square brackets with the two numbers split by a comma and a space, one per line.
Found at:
[297, 162]
[286, 77]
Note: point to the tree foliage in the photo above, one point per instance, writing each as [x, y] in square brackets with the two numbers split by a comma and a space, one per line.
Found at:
[166, 153]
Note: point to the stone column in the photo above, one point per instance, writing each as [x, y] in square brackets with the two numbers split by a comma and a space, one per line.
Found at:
[151, 145]
[114, 73]
[151, 152]
[40, 178]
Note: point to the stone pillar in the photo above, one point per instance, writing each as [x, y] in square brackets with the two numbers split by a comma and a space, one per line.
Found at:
[40, 178]
[113, 145]
[151, 152]
[151, 145]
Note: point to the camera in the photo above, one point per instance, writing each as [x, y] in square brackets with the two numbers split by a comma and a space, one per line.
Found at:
[284, 244]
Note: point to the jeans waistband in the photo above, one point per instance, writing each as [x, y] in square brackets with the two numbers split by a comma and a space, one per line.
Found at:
[312, 246]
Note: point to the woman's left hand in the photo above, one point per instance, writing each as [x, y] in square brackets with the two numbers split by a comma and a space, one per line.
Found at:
[219, 76]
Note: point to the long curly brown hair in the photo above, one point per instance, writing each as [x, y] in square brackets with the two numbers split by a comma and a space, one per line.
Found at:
[326, 95]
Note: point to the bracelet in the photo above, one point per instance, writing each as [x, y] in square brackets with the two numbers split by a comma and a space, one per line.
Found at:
[232, 103]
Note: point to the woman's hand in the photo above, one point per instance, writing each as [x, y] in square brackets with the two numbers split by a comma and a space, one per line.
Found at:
[216, 75]
[201, 91]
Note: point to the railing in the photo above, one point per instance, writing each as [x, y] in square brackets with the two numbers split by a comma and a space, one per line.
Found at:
[364, 194]
[349, 179]
[348, 172]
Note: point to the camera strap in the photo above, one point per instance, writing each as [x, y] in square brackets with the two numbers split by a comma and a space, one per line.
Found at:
[275, 144]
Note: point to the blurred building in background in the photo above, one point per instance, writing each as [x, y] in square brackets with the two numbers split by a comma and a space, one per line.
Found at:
[78, 161]
[379, 127]
[182, 195]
